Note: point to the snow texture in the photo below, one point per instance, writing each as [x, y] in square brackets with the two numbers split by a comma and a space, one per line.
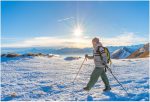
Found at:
[51, 79]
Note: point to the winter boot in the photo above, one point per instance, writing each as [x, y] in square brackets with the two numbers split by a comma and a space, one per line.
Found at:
[86, 89]
[107, 89]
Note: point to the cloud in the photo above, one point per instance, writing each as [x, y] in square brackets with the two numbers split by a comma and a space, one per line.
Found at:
[127, 38]
[51, 41]
[65, 19]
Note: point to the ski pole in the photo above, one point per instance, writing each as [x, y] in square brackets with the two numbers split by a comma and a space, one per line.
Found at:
[117, 80]
[79, 69]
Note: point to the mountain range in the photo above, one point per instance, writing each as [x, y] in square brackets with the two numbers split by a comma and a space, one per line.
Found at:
[126, 52]
[116, 52]
[62, 51]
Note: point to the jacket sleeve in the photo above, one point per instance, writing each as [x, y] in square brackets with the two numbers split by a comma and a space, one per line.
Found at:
[90, 57]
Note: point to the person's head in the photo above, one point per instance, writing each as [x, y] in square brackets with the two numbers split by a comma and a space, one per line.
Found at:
[95, 41]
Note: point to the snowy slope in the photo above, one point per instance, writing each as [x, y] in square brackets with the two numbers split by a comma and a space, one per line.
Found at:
[121, 53]
[42, 78]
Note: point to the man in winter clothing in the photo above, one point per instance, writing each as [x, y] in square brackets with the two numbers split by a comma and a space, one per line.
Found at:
[99, 66]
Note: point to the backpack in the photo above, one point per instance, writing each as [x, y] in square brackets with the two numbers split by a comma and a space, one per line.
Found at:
[107, 54]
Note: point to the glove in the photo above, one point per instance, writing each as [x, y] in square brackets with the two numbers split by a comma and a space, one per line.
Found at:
[86, 55]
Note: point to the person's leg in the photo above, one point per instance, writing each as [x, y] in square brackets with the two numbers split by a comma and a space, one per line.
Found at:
[105, 78]
[94, 77]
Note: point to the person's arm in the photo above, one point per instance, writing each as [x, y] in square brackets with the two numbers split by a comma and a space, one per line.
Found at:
[89, 57]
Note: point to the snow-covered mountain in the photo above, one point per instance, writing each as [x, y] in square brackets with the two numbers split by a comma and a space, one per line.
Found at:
[141, 52]
[132, 47]
[125, 51]
[121, 53]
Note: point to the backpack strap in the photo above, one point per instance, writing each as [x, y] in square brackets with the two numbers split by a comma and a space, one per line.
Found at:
[100, 52]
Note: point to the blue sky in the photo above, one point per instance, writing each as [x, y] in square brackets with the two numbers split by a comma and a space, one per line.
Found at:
[52, 23]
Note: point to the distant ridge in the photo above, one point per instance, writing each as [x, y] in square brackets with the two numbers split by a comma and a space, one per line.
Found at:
[141, 52]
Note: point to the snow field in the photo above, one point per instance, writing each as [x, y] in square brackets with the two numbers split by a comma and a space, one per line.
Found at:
[42, 78]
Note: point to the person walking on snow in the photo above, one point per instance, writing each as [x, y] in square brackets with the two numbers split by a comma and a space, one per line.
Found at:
[99, 66]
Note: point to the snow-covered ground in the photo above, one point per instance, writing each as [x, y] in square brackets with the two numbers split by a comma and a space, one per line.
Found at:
[42, 78]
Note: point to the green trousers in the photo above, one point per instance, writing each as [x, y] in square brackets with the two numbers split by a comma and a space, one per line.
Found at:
[95, 75]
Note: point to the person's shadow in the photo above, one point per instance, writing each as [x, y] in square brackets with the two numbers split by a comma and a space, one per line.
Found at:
[115, 97]
[112, 96]
[89, 98]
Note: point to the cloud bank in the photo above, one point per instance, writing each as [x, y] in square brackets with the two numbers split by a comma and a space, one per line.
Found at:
[127, 38]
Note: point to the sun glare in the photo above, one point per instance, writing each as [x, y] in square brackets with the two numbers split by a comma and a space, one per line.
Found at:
[78, 31]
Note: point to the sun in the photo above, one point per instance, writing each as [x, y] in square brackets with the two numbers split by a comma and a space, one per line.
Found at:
[78, 31]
